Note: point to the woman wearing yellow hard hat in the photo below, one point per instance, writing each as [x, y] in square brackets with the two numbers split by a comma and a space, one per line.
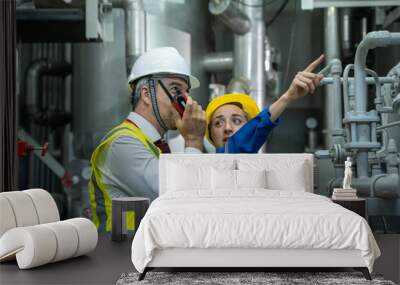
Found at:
[235, 123]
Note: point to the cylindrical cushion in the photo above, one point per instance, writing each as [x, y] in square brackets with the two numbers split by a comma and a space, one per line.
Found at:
[87, 234]
[45, 205]
[33, 246]
[67, 240]
[40, 244]
[7, 218]
[23, 208]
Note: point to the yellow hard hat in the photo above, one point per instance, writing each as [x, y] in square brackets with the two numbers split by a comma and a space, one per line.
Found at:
[249, 106]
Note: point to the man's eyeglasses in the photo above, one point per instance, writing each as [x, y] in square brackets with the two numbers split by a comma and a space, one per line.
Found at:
[179, 99]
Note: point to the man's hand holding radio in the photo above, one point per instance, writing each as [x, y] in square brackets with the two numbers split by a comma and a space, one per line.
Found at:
[192, 125]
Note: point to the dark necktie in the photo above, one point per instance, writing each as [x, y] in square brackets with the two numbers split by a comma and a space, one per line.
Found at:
[163, 145]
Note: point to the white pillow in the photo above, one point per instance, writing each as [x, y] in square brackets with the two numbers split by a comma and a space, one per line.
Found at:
[226, 179]
[223, 179]
[282, 173]
[294, 179]
[184, 177]
[251, 178]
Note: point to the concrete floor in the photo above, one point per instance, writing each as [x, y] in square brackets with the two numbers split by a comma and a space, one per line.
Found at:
[389, 262]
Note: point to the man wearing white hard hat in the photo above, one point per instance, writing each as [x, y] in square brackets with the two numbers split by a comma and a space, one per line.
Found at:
[125, 163]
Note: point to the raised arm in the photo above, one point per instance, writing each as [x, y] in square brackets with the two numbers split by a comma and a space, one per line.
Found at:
[304, 82]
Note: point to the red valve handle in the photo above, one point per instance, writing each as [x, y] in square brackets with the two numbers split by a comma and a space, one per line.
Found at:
[24, 148]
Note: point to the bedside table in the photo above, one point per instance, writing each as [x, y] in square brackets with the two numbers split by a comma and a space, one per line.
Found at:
[119, 208]
[358, 206]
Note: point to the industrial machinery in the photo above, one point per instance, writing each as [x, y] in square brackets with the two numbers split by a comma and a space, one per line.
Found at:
[361, 131]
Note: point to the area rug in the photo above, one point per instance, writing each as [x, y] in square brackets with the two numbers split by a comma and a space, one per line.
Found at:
[243, 278]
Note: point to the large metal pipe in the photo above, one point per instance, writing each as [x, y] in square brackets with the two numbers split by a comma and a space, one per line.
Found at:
[249, 51]
[371, 41]
[135, 29]
[218, 61]
[331, 52]
[368, 80]
[36, 70]
[385, 186]
[336, 70]
[230, 15]
[347, 46]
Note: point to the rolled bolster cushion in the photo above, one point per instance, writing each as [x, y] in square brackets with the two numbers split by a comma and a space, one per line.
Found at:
[7, 218]
[33, 246]
[45, 205]
[87, 235]
[23, 208]
[40, 244]
[66, 238]
[26, 208]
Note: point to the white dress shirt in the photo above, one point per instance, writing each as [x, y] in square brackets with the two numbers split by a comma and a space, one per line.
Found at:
[129, 168]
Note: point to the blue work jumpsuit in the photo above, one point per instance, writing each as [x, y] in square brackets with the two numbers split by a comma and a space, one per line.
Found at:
[252, 135]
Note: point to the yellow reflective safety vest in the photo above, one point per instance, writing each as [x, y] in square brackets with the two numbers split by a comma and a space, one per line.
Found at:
[100, 200]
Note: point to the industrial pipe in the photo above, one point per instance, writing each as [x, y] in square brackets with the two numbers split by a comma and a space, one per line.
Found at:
[374, 79]
[346, 87]
[331, 46]
[249, 51]
[368, 80]
[371, 41]
[385, 186]
[230, 15]
[347, 47]
[336, 71]
[135, 29]
[218, 61]
[393, 124]
[36, 70]
[378, 96]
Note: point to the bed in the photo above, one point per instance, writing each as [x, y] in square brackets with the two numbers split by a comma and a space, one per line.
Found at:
[247, 210]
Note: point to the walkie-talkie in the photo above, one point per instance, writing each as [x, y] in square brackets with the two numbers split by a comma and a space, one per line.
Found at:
[178, 101]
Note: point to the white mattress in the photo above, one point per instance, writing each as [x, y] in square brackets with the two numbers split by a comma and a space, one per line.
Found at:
[256, 218]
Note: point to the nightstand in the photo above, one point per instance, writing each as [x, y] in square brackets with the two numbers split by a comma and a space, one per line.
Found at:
[358, 205]
[119, 208]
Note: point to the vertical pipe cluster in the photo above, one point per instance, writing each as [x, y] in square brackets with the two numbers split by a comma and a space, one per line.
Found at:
[249, 51]
[371, 41]
[246, 21]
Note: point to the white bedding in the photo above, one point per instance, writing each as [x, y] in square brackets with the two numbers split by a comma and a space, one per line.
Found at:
[252, 218]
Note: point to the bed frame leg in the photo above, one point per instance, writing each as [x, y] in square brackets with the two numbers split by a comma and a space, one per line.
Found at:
[364, 271]
[143, 274]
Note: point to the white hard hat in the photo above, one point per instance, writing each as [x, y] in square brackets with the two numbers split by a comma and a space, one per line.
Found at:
[161, 60]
